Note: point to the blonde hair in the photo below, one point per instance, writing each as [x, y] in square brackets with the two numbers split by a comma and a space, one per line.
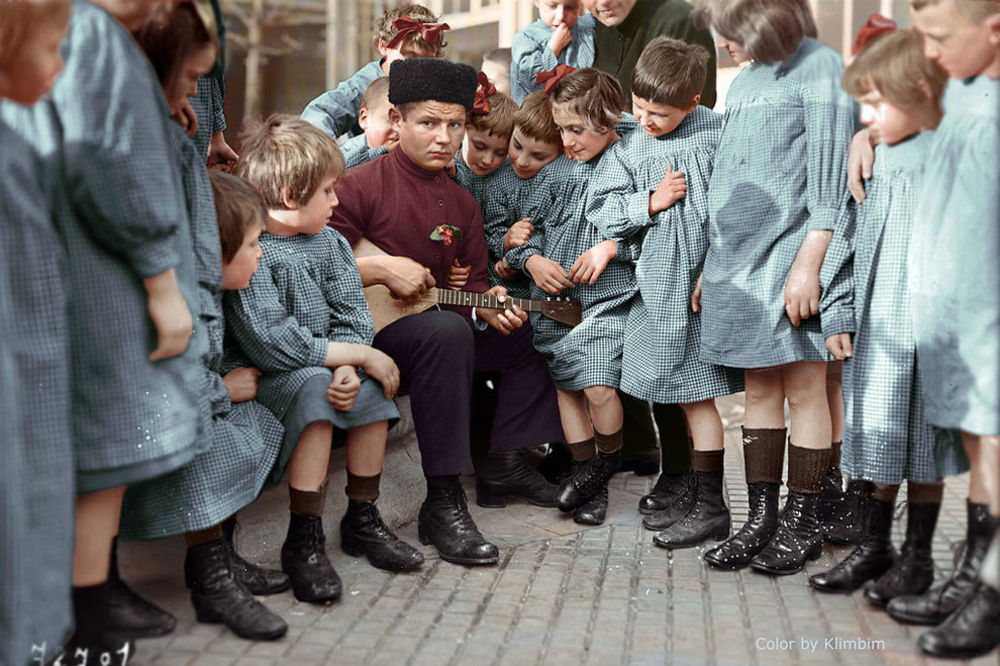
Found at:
[286, 155]
[894, 66]
[384, 30]
[769, 30]
[534, 119]
[20, 18]
[670, 72]
[499, 121]
[376, 94]
[975, 10]
[595, 96]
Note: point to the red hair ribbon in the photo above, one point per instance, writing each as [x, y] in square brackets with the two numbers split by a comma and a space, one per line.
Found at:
[429, 32]
[481, 103]
[876, 26]
[552, 78]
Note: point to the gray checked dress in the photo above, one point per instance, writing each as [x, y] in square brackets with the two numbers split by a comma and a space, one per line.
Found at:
[305, 294]
[37, 475]
[356, 151]
[662, 335]
[955, 262]
[886, 436]
[780, 171]
[125, 220]
[530, 53]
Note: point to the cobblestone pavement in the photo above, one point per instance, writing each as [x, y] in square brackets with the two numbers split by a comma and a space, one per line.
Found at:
[562, 594]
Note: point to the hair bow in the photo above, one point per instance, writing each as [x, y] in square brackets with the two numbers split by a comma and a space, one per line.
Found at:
[876, 26]
[553, 77]
[429, 32]
[481, 103]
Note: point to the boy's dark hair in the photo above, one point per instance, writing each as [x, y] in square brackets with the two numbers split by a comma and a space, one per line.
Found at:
[500, 120]
[376, 94]
[595, 96]
[670, 72]
[769, 30]
[384, 30]
[284, 154]
[534, 119]
[239, 207]
[894, 66]
[169, 40]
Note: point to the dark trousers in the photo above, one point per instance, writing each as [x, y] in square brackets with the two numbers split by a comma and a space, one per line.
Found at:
[640, 437]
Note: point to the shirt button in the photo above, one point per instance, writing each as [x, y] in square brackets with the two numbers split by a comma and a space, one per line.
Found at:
[440, 202]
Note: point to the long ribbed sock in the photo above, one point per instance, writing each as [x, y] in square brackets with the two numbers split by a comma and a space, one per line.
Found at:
[608, 443]
[763, 454]
[707, 461]
[362, 488]
[307, 502]
[806, 469]
[581, 451]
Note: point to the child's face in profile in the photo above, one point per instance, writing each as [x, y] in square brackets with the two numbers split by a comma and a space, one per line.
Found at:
[195, 66]
[961, 47]
[555, 13]
[316, 212]
[237, 273]
[734, 48]
[580, 141]
[528, 156]
[886, 122]
[375, 122]
[659, 119]
[32, 71]
[483, 151]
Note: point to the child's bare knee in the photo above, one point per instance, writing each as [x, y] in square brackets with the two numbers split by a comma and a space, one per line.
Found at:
[599, 395]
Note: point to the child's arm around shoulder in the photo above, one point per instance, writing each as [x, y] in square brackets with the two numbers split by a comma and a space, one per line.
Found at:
[614, 204]
[836, 278]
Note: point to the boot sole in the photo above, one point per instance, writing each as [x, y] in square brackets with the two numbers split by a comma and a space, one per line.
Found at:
[459, 560]
[355, 551]
[918, 620]
[145, 633]
[814, 554]
[210, 618]
[489, 500]
[718, 535]
[267, 591]
[726, 566]
[970, 653]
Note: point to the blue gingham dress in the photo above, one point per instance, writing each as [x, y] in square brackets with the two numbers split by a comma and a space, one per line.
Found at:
[780, 171]
[886, 436]
[955, 262]
[356, 151]
[207, 105]
[662, 335]
[37, 476]
[125, 220]
[530, 53]
[336, 111]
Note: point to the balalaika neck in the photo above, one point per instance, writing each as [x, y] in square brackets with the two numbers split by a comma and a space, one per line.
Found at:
[473, 300]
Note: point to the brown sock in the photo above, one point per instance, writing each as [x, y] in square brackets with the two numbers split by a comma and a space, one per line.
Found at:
[763, 454]
[581, 451]
[362, 488]
[307, 502]
[609, 443]
[885, 492]
[707, 461]
[835, 455]
[200, 537]
[806, 468]
[925, 493]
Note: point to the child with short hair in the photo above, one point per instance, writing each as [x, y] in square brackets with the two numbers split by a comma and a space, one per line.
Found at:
[563, 34]
[378, 137]
[406, 31]
[496, 65]
[652, 187]
[304, 322]
[774, 195]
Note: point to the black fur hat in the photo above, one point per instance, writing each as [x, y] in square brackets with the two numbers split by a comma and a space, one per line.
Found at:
[419, 79]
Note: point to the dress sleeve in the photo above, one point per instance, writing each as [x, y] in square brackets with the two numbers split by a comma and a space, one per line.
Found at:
[336, 111]
[528, 57]
[498, 214]
[218, 102]
[836, 277]
[517, 256]
[350, 320]
[615, 207]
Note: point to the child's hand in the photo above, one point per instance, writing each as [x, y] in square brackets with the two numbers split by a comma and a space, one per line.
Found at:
[450, 168]
[547, 274]
[589, 265]
[458, 275]
[220, 154]
[170, 315]
[696, 295]
[672, 188]
[801, 294]
[393, 143]
[383, 368]
[504, 321]
[859, 164]
[504, 270]
[185, 115]
[560, 39]
[518, 234]
[241, 384]
[840, 346]
[344, 388]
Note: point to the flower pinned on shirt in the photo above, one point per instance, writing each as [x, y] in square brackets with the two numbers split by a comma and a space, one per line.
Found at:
[446, 233]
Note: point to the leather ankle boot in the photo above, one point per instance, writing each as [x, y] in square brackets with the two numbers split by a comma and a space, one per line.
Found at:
[218, 598]
[445, 523]
[594, 510]
[913, 571]
[762, 521]
[588, 480]
[940, 601]
[257, 580]
[508, 474]
[831, 494]
[869, 559]
[668, 488]
[842, 523]
[708, 517]
[797, 539]
[92, 633]
[362, 532]
[681, 505]
[304, 559]
[129, 614]
[972, 630]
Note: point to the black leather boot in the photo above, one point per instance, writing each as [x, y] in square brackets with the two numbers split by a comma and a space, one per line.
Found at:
[588, 480]
[869, 559]
[664, 493]
[797, 539]
[218, 598]
[304, 559]
[508, 474]
[92, 633]
[682, 504]
[707, 519]
[362, 532]
[762, 521]
[445, 523]
[913, 571]
[257, 580]
[940, 601]
[129, 614]
[556, 463]
[972, 630]
[594, 510]
[831, 494]
[842, 524]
